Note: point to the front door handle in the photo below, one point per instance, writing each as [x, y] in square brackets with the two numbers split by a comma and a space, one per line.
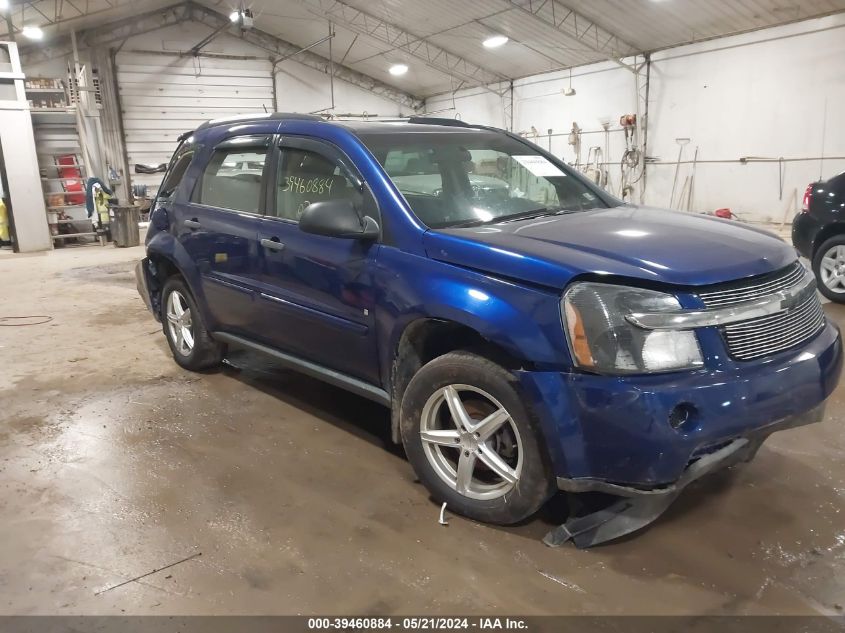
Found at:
[272, 244]
[192, 223]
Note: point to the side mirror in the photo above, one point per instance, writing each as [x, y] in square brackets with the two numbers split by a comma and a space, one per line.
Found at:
[337, 218]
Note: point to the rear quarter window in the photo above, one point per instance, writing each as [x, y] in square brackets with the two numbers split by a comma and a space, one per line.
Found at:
[175, 174]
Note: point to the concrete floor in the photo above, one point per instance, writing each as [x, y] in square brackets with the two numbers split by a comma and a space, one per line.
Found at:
[115, 462]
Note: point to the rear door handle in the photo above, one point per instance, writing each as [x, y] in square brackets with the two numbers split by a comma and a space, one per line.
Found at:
[192, 224]
[273, 244]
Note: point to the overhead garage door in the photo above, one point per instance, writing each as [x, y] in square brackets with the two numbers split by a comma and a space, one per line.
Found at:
[165, 95]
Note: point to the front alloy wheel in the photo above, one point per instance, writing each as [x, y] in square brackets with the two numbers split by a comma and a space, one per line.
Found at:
[471, 442]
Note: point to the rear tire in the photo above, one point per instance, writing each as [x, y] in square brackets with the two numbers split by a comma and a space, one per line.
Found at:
[190, 343]
[490, 466]
[829, 268]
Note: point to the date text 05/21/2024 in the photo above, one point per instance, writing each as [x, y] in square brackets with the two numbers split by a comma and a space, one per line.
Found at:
[417, 623]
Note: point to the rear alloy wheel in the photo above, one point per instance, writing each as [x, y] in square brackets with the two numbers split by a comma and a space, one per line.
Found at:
[189, 340]
[829, 268]
[471, 440]
[180, 323]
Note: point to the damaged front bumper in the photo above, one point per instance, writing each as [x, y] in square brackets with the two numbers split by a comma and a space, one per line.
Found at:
[619, 429]
[639, 507]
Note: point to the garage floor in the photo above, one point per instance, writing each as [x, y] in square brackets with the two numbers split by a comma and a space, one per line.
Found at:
[114, 462]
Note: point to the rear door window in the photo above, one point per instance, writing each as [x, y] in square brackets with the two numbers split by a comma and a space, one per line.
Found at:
[233, 179]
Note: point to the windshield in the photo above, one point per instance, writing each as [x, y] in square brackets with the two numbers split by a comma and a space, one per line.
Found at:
[472, 177]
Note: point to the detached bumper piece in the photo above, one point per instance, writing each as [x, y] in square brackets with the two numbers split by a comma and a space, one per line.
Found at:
[637, 508]
[144, 282]
[141, 283]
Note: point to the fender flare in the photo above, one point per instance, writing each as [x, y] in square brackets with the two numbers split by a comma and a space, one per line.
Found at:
[398, 374]
[165, 246]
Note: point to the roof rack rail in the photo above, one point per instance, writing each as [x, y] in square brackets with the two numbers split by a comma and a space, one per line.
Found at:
[260, 116]
[297, 115]
[433, 120]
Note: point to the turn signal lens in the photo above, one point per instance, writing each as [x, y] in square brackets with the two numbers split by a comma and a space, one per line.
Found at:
[578, 337]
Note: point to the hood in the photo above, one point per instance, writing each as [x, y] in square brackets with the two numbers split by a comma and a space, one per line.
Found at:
[628, 241]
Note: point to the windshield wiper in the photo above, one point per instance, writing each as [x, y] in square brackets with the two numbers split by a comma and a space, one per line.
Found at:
[514, 217]
[525, 215]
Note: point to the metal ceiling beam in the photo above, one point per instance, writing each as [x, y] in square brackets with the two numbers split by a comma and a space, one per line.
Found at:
[10, 28]
[434, 56]
[579, 29]
[281, 48]
[196, 48]
[53, 12]
[110, 34]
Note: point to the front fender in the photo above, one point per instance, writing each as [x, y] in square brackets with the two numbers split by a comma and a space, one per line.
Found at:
[522, 320]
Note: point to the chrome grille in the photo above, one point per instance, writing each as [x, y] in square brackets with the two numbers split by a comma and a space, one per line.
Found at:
[775, 333]
[766, 335]
[736, 292]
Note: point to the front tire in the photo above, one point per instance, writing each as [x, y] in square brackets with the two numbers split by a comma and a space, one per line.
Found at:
[829, 268]
[471, 440]
[190, 343]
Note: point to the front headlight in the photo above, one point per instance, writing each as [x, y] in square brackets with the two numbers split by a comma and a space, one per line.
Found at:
[601, 339]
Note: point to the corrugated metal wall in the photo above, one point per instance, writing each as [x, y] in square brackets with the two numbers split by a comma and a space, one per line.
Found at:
[164, 95]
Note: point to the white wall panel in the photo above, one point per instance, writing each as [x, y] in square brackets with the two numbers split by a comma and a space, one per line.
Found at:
[303, 89]
[757, 94]
[165, 95]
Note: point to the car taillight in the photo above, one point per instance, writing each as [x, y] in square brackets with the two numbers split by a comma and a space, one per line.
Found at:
[808, 193]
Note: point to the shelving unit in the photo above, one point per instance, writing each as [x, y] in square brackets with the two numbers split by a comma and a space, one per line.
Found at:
[57, 140]
[64, 208]
[46, 94]
[53, 109]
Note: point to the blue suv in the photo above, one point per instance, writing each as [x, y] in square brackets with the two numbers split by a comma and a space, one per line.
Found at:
[529, 332]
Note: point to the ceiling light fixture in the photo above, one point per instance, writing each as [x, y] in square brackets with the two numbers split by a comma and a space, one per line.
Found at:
[4, 4]
[33, 32]
[495, 41]
[569, 92]
[243, 17]
[398, 69]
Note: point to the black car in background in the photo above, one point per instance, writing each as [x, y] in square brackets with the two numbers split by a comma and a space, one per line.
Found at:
[818, 232]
